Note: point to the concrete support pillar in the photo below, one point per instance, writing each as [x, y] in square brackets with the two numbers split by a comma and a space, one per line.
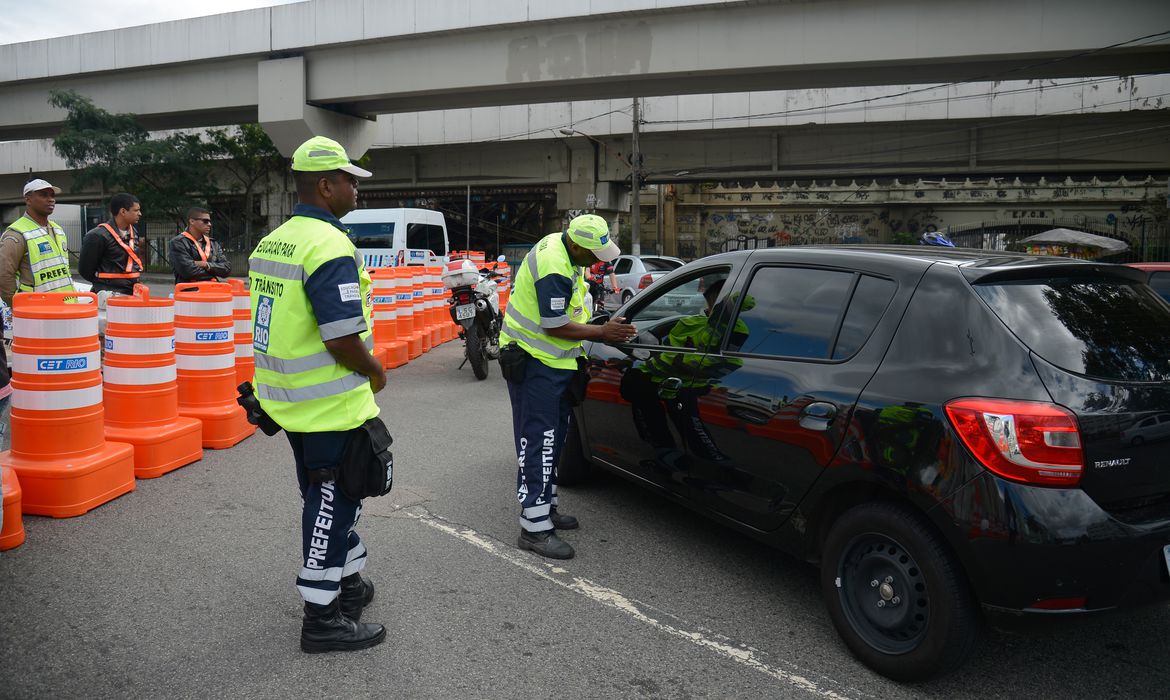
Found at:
[584, 193]
[290, 121]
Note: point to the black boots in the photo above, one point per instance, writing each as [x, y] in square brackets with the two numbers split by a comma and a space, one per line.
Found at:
[562, 522]
[356, 593]
[546, 544]
[324, 628]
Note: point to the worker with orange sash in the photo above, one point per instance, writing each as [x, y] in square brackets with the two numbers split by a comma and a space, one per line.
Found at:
[195, 256]
[111, 253]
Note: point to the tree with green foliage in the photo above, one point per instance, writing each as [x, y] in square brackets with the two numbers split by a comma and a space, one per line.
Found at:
[250, 161]
[116, 152]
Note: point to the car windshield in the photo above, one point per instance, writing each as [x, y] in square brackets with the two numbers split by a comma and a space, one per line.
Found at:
[1105, 328]
[660, 264]
[375, 235]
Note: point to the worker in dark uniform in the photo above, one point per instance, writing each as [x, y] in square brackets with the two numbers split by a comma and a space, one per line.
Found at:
[111, 253]
[195, 256]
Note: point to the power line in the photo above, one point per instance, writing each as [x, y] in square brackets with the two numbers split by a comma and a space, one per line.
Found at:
[912, 91]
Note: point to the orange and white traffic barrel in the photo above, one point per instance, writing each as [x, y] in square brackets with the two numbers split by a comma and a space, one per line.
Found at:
[418, 311]
[205, 355]
[393, 349]
[242, 331]
[12, 527]
[504, 284]
[59, 448]
[141, 392]
[435, 294]
[404, 296]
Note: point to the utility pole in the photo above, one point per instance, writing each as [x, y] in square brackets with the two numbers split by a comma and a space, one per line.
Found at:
[636, 185]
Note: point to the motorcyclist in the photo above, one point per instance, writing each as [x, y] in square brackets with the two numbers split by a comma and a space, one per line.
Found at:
[595, 276]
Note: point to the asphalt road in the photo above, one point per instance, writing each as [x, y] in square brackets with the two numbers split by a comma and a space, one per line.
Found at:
[184, 588]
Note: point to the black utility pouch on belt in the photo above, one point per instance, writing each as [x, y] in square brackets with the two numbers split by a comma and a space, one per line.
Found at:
[575, 392]
[512, 362]
[367, 466]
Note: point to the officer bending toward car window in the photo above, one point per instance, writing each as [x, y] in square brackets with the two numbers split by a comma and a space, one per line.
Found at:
[315, 377]
[541, 358]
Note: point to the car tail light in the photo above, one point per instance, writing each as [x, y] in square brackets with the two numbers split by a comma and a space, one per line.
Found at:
[645, 281]
[1032, 442]
[1070, 603]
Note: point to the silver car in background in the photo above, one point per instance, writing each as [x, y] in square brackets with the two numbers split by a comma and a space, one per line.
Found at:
[635, 273]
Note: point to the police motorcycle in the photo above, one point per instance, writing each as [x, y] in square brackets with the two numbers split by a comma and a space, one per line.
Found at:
[475, 307]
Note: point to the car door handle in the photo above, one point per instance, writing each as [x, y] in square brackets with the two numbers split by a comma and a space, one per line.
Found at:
[818, 415]
[748, 415]
[670, 385]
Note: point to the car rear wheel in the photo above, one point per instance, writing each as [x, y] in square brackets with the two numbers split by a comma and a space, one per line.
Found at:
[573, 468]
[626, 296]
[896, 594]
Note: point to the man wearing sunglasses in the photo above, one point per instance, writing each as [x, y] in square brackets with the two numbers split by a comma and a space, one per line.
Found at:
[194, 255]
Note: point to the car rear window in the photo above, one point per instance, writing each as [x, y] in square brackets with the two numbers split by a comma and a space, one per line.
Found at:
[659, 265]
[1105, 328]
[1160, 281]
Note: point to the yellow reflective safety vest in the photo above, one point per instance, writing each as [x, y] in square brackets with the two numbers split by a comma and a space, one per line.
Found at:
[46, 257]
[298, 381]
[522, 319]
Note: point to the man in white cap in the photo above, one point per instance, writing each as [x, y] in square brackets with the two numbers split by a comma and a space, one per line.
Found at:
[541, 358]
[33, 253]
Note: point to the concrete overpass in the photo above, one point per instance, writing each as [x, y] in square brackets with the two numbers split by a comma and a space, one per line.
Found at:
[333, 66]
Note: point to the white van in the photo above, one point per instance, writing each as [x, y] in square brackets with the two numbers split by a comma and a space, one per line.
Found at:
[393, 237]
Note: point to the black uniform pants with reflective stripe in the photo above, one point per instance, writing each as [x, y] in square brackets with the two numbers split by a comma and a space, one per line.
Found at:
[540, 421]
[330, 547]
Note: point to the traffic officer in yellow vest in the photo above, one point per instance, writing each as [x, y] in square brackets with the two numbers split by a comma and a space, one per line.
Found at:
[544, 327]
[315, 376]
[33, 250]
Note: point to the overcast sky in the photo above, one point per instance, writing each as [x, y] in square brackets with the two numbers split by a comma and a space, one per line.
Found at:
[25, 20]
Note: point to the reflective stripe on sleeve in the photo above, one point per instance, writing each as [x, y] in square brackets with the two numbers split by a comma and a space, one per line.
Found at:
[57, 400]
[206, 362]
[344, 327]
[138, 376]
[54, 328]
[317, 391]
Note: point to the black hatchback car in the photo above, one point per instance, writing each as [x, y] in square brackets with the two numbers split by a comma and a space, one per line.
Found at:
[943, 430]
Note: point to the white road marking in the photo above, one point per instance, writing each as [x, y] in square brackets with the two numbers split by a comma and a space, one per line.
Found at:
[613, 599]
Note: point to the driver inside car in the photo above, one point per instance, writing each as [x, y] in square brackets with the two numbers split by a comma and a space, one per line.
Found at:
[695, 371]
